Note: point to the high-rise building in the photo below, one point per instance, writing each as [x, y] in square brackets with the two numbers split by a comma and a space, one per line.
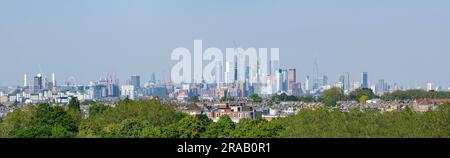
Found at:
[347, 81]
[153, 78]
[284, 80]
[38, 84]
[292, 80]
[136, 82]
[325, 80]
[128, 91]
[315, 84]
[342, 79]
[365, 80]
[381, 87]
[430, 86]
[307, 84]
[53, 79]
[25, 83]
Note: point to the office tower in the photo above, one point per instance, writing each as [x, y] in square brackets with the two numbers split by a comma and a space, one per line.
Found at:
[128, 91]
[136, 82]
[325, 80]
[53, 80]
[342, 79]
[316, 84]
[153, 78]
[25, 83]
[307, 83]
[292, 80]
[38, 84]
[347, 81]
[380, 88]
[278, 81]
[429, 86]
[365, 82]
[229, 72]
[284, 80]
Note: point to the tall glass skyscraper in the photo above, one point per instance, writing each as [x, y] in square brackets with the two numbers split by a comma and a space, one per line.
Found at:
[365, 82]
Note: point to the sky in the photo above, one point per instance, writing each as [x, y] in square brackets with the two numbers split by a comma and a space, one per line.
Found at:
[404, 41]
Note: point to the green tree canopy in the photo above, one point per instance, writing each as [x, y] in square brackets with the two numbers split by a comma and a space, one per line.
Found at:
[224, 128]
[256, 98]
[358, 93]
[335, 94]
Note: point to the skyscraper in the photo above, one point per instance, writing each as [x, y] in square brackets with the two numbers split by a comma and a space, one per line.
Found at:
[153, 78]
[136, 82]
[284, 80]
[316, 83]
[341, 82]
[365, 82]
[38, 84]
[347, 81]
[25, 83]
[307, 84]
[380, 88]
[53, 80]
[325, 80]
[292, 79]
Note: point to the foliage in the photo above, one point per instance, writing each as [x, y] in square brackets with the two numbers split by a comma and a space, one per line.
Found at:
[194, 99]
[324, 123]
[247, 128]
[74, 103]
[334, 94]
[363, 99]
[256, 98]
[306, 99]
[329, 102]
[153, 119]
[42, 121]
[415, 94]
[284, 97]
[358, 93]
[224, 128]
[96, 108]
[152, 112]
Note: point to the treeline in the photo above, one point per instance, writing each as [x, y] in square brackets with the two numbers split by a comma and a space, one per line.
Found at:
[415, 94]
[152, 119]
[324, 123]
[331, 96]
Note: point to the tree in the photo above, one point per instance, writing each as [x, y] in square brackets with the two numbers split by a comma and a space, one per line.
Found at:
[256, 98]
[192, 127]
[194, 99]
[74, 103]
[129, 128]
[224, 128]
[151, 111]
[363, 99]
[42, 121]
[358, 93]
[329, 102]
[96, 109]
[335, 94]
[284, 97]
[306, 99]
[248, 128]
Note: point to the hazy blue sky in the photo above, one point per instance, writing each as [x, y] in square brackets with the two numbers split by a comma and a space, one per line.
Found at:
[407, 41]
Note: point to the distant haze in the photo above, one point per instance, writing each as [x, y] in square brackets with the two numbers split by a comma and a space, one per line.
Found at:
[404, 41]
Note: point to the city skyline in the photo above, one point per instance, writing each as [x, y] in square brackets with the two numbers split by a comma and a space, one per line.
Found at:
[401, 41]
